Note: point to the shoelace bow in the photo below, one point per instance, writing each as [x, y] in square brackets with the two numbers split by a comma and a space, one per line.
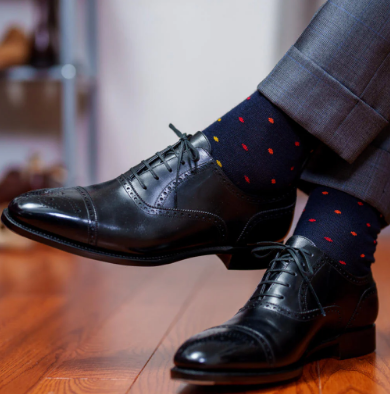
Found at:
[286, 253]
[184, 145]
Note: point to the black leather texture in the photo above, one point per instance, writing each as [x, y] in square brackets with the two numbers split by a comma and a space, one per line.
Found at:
[282, 324]
[157, 216]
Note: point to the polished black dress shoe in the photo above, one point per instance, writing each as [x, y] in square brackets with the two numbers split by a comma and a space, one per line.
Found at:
[306, 307]
[175, 205]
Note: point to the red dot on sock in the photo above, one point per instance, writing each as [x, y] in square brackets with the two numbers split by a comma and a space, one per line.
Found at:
[241, 119]
[297, 143]
[362, 256]
[292, 168]
[249, 98]
[338, 212]
[271, 120]
[312, 220]
[245, 147]
[360, 203]
[328, 239]
[325, 193]
[375, 242]
[368, 225]
[247, 179]
[270, 151]
[342, 262]
[353, 233]
[273, 181]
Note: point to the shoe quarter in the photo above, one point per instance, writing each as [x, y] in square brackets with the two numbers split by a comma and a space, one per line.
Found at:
[336, 287]
[207, 189]
[179, 226]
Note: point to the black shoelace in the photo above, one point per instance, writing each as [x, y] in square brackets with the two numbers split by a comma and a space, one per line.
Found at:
[184, 146]
[286, 253]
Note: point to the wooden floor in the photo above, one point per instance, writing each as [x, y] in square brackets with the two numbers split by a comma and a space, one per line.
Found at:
[71, 325]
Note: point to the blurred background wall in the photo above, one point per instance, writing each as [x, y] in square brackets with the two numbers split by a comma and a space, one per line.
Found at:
[185, 62]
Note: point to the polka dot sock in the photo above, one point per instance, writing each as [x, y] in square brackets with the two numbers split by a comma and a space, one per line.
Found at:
[342, 226]
[259, 147]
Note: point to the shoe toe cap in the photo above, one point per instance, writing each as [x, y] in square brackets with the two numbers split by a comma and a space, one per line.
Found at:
[222, 348]
[62, 212]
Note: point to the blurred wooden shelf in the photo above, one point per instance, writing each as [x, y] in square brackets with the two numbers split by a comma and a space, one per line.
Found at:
[55, 73]
[72, 77]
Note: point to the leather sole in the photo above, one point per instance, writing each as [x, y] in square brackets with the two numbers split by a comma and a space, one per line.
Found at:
[353, 343]
[234, 258]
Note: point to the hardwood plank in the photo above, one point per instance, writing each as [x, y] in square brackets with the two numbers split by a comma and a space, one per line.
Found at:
[125, 342]
[92, 291]
[81, 386]
[39, 270]
[21, 314]
[228, 292]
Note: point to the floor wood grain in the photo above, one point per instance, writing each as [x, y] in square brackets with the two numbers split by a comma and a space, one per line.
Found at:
[71, 325]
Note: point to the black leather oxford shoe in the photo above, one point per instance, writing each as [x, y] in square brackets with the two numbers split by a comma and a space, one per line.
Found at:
[175, 205]
[306, 307]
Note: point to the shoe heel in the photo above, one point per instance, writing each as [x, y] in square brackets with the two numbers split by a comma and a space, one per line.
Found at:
[357, 343]
[242, 259]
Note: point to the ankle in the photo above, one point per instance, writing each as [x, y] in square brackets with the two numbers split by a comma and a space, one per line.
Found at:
[259, 147]
[342, 226]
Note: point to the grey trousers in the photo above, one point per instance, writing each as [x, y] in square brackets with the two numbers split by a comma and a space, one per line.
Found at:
[335, 82]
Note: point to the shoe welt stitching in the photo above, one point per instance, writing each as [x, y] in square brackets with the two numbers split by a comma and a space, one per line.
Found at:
[80, 246]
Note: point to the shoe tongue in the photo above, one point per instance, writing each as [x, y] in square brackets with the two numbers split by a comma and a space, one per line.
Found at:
[199, 140]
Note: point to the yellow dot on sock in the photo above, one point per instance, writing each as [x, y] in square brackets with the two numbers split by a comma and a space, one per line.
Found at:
[219, 163]
[219, 119]
[216, 139]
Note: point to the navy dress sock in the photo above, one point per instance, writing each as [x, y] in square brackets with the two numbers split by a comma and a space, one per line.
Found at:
[342, 226]
[258, 146]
